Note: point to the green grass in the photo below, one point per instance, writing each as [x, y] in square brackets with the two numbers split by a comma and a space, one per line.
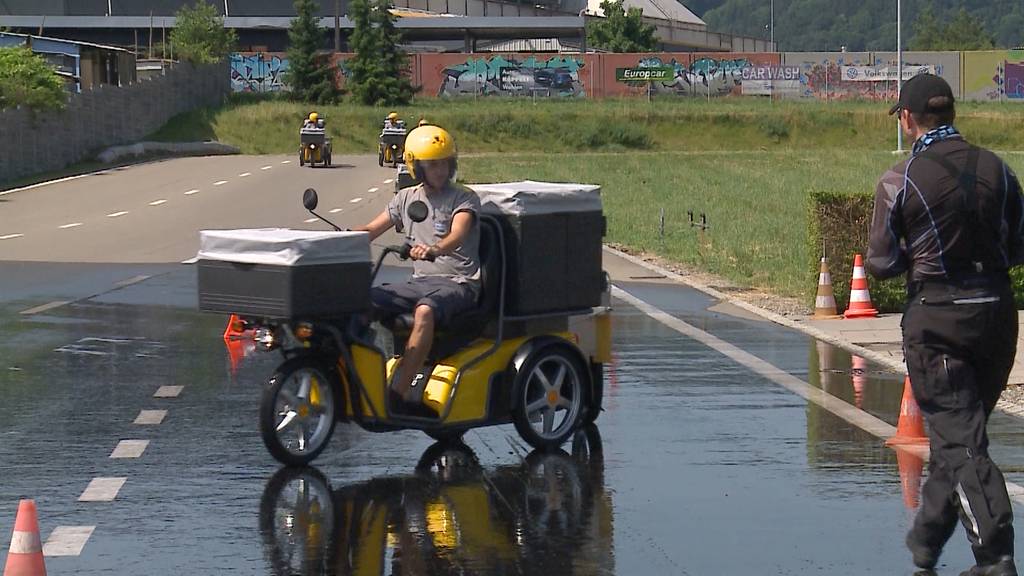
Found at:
[262, 126]
[755, 202]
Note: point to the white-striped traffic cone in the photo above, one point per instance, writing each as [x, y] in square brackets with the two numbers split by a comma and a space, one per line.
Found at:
[825, 301]
[25, 557]
[860, 298]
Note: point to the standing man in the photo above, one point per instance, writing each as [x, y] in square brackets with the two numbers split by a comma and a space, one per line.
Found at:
[950, 216]
[445, 252]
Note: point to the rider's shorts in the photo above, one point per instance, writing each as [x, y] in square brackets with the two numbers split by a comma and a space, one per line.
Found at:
[446, 297]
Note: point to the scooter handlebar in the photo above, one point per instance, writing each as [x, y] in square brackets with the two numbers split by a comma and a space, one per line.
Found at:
[404, 251]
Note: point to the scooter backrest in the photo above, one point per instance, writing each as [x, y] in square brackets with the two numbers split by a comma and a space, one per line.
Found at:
[490, 263]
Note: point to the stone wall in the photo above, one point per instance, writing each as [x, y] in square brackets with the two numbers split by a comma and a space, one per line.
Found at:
[102, 117]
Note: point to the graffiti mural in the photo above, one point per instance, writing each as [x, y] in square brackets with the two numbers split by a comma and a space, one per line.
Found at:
[258, 72]
[703, 77]
[995, 75]
[552, 77]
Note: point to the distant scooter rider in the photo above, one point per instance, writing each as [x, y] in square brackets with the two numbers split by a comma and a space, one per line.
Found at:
[392, 122]
[311, 121]
[441, 289]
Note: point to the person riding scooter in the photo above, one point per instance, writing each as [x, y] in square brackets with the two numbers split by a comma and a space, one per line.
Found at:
[445, 250]
[392, 122]
[311, 121]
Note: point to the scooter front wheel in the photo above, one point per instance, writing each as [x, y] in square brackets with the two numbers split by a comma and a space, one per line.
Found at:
[298, 411]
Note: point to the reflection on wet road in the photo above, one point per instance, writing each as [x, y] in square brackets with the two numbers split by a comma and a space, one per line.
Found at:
[706, 467]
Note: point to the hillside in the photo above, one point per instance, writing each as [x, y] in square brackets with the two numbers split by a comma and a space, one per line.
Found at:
[856, 24]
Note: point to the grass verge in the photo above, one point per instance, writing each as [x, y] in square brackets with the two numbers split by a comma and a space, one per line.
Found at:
[755, 202]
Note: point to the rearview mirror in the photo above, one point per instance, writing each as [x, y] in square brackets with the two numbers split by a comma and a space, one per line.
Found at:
[417, 211]
[309, 199]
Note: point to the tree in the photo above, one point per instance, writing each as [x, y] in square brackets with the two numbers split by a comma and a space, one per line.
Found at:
[26, 79]
[621, 30]
[967, 32]
[377, 71]
[928, 34]
[310, 75]
[199, 35]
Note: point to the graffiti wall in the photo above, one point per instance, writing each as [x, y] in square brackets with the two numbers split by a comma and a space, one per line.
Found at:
[996, 75]
[532, 75]
[985, 76]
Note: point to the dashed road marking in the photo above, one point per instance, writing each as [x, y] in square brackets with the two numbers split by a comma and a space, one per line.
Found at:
[266, 168]
[150, 417]
[310, 220]
[117, 214]
[191, 260]
[245, 174]
[67, 540]
[72, 225]
[45, 307]
[10, 236]
[102, 490]
[129, 449]
[336, 210]
[220, 182]
[168, 391]
[157, 202]
[132, 280]
[356, 200]
[192, 191]
[372, 190]
[286, 162]
[389, 180]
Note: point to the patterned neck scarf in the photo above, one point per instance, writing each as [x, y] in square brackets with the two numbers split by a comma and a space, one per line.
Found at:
[944, 132]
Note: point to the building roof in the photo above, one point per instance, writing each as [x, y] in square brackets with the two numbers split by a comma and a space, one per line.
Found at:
[663, 9]
[25, 37]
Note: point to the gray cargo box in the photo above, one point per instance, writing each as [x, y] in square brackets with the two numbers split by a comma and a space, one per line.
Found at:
[280, 273]
[553, 233]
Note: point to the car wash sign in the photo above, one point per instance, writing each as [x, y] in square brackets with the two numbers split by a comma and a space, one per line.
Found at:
[652, 74]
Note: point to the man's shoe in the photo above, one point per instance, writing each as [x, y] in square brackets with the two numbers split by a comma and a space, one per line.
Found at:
[1003, 567]
[925, 557]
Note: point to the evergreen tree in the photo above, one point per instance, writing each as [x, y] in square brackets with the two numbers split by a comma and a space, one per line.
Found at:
[377, 72]
[310, 75]
[199, 35]
[621, 30]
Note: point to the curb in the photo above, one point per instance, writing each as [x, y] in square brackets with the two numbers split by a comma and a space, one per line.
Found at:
[895, 365]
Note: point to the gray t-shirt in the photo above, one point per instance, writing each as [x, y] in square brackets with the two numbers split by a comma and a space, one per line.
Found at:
[463, 265]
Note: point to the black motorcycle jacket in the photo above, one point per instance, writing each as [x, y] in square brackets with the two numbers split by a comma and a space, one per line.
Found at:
[951, 211]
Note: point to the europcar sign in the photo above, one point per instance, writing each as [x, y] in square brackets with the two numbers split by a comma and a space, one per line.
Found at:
[659, 74]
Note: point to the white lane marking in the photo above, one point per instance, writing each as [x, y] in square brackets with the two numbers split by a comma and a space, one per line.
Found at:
[150, 417]
[48, 182]
[45, 307]
[838, 407]
[266, 168]
[132, 280]
[168, 391]
[220, 182]
[10, 236]
[192, 191]
[389, 180]
[67, 540]
[245, 174]
[191, 260]
[286, 162]
[372, 190]
[157, 202]
[310, 220]
[102, 490]
[336, 210]
[129, 449]
[72, 225]
[356, 200]
[117, 214]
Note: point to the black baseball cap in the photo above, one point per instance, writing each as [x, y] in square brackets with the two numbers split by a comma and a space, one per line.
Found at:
[918, 90]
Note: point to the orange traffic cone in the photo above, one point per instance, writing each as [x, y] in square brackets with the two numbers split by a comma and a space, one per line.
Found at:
[911, 466]
[910, 428]
[825, 302]
[238, 349]
[860, 366]
[860, 298]
[25, 557]
[235, 327]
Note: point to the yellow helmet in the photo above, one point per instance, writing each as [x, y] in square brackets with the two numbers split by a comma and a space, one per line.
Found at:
[313, 116]
[393, 116]
[426, 143]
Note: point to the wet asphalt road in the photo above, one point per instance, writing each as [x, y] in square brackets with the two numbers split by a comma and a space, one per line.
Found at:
[698, 465]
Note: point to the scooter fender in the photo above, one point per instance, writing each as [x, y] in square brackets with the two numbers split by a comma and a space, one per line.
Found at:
[532, 346]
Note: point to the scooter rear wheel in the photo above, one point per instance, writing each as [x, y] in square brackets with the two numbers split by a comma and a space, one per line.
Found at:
[298, 411]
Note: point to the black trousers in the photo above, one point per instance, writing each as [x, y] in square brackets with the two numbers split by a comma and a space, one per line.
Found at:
[960, 342]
